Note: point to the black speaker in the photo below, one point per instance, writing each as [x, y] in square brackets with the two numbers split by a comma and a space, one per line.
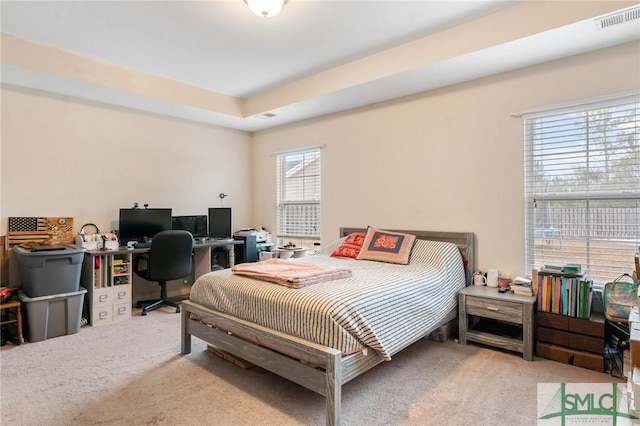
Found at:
[247, 252]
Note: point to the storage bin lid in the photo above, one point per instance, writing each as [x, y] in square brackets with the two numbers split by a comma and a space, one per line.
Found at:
[48, 250]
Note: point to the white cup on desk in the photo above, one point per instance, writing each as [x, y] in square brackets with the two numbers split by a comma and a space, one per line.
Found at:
[492, 278]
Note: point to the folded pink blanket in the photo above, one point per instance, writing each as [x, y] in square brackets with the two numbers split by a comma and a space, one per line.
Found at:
[292, 274]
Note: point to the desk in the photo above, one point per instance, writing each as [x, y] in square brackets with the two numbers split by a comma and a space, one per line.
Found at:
[107, 276]
[202, 254]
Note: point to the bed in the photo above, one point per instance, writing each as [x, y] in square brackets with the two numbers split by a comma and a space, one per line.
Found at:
[324, 342]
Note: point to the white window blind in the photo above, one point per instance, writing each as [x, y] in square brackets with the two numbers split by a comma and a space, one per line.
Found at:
[582, 187]
[298, 194]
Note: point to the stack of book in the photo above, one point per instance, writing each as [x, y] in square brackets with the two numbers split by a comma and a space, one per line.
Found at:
[564, 268]
[572, 268]
[521, 286]
[562, 290]
[551, 268]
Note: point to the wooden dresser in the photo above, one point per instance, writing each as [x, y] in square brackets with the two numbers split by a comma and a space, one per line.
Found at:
[571, 340]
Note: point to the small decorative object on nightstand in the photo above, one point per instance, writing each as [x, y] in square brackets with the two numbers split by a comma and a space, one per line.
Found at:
[487, 302]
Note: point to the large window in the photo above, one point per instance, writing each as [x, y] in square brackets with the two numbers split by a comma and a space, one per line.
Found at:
[582, 186]
[298, 183]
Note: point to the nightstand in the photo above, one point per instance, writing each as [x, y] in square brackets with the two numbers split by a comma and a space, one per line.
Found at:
[487, 302]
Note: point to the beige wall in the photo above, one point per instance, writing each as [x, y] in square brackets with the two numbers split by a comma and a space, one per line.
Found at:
[448, 160]
[64, 157]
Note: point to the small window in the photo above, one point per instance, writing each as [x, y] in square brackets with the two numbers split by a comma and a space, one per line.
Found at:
[298, 193]
[582, 186]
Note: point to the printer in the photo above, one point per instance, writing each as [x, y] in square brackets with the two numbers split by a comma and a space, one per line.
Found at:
[255, 240]
[262, 236]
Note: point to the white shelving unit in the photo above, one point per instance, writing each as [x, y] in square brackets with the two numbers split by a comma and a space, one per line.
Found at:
[107, 278]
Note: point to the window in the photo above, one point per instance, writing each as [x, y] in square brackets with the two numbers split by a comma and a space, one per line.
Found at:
[582, 186]
[298, 194]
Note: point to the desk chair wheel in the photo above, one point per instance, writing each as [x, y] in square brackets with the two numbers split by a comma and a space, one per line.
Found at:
[151, 305]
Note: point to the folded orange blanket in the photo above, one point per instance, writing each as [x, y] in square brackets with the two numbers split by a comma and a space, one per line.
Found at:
[292, 274]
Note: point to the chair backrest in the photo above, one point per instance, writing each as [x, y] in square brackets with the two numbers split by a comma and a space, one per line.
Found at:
[170, 255]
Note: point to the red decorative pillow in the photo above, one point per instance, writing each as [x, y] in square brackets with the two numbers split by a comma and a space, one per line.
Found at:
[387, 246]
[350, 247]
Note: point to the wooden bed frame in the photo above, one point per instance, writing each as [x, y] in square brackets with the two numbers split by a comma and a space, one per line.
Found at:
[328, 369]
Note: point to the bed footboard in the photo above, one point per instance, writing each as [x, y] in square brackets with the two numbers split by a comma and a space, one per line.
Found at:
[326, 381]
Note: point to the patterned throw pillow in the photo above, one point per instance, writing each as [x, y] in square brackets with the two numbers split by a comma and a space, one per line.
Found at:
[387, 246]
[350, 247]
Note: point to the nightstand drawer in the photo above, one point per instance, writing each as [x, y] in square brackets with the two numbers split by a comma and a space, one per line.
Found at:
[496, 309]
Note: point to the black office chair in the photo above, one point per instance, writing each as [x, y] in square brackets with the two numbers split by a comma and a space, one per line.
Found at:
[169, 258]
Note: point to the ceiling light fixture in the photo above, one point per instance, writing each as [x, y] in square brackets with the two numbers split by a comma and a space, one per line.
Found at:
[266, 8]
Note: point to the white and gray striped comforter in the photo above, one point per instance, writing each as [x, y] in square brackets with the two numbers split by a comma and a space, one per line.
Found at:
[382, 306]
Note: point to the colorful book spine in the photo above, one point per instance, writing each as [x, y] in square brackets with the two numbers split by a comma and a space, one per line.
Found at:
[547, 302]
[558, 296]
[538, 280]
[552, 296]
[564, 294]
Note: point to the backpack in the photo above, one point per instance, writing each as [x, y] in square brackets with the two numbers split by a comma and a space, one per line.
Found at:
[618, 298]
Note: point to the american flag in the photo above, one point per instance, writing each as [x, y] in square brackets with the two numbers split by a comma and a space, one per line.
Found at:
[27, 224]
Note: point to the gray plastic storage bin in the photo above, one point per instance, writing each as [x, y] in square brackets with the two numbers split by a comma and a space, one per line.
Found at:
[52, 316]
[49, 272]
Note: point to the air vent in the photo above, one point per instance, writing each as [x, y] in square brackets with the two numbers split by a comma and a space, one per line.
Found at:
[617, 18]
[265, 115]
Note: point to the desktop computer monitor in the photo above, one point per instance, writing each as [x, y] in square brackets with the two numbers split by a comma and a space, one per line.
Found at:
[141, 224]
[197, 225]
[220, 222]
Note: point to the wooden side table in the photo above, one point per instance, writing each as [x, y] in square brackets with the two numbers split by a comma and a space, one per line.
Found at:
[487, 302]
[4, 315]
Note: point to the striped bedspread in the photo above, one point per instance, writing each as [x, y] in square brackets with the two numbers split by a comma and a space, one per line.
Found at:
[382, 306]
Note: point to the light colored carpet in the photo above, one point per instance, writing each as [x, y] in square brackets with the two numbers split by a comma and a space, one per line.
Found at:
[132, 373]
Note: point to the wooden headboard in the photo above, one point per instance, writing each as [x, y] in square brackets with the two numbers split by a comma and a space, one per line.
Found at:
[464, 240]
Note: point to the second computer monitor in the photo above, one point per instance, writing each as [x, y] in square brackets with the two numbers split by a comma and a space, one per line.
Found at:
[220, 222]
[196, 224]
